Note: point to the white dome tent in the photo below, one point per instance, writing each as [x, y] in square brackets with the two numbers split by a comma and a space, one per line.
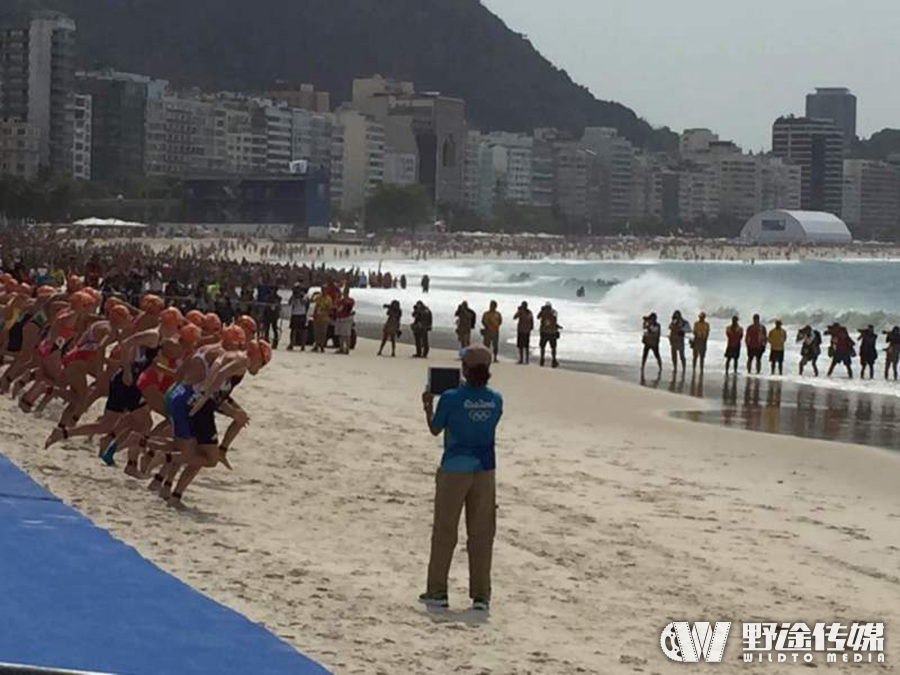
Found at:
[796, 227]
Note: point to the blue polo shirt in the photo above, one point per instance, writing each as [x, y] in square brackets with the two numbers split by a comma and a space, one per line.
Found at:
[468, 417]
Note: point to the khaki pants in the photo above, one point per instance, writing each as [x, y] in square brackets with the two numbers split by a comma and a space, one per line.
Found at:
[477, 492]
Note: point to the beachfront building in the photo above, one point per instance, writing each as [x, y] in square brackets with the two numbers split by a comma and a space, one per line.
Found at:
[871, 202]
[479, 178]
[429, 124]
[817, 147]
[611, 165]
[311, 136]
[400, 168]
[363, 157]
[695, 142]
[20, 149]
[512, 156]
[566, 162]
[81, 136]
[302, 97]
[837, 105]
[796, 227]
[181, 137]
[37, 72]
[118, 121]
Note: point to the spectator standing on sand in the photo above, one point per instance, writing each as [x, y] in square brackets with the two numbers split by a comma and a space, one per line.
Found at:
[465, 324]
[391, 330]
[733, 336]
[321, 319]
[699, 341]
[299, 304]
[524, 326]
[343, 321]
[421, 326]
[491, 321]
[777, 339]
[468, 416]
[756, 344]
[549, 331]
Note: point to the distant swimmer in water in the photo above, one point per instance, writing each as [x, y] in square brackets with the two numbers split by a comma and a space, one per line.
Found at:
[733, 335]
[892, 353]
[699, 341]
[580, 292]
[678, 329]
[810, 348]
[868, 351]
[650, 338]
[777, 339]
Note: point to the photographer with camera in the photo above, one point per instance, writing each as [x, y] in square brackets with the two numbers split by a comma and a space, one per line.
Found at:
[468, 417]
[650, 338]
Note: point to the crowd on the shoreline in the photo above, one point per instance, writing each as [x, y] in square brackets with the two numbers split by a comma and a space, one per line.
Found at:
[757, 339]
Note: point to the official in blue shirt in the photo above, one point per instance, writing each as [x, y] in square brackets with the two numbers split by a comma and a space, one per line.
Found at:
[468, 417]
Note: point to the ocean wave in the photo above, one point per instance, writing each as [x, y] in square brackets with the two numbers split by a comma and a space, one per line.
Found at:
[573, 282]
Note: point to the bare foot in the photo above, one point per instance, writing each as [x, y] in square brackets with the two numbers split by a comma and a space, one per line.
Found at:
[175, 503]
[58, 434]
[155, 484]
[165, 491]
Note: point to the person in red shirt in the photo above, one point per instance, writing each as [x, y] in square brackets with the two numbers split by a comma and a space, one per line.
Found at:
[756, 344]
[733, 334]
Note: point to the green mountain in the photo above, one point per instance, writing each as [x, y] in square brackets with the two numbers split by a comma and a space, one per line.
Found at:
[457, 47]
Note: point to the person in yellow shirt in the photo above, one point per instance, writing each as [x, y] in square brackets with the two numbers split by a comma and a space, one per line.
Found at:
[698, 342]
[491, 321]
[323, 305]
[777, 340]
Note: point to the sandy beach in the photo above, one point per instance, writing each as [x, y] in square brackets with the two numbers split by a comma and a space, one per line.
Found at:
[614, 520]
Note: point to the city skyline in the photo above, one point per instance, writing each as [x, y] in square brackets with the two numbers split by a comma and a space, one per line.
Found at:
[719, 65]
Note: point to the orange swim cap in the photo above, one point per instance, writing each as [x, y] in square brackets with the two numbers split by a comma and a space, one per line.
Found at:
[195, 316]
[234, 335]
[260, 350]
[118, 314]
[212, 324]
[81, 300]
[171, 316]
[74, 283]
[152, 304]
[190, 334]
[247, 322]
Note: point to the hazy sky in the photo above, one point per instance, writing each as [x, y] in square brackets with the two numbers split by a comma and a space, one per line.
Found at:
[729, 65]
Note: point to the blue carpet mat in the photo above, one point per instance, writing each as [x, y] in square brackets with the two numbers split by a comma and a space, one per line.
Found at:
[71, 596]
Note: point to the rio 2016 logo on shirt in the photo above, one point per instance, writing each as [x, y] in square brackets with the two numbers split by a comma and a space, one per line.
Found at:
[686, 644]
[479, 411]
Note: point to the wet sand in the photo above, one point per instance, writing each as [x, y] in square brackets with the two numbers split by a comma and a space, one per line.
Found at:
[748, 402]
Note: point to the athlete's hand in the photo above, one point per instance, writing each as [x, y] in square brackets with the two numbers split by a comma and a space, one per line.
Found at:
[198, 406]
[428, 401]
[127, 377]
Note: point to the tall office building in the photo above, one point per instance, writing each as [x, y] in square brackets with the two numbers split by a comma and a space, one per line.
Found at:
[817, 147]
[119, 118]
[37, 71]
[836, 104]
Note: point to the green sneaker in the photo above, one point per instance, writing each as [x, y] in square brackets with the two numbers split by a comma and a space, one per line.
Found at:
[481, 603]
[437, 599]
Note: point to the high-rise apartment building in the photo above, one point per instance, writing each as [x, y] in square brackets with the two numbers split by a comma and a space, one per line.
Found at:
[20, 149]
[37, 71]
[363, 157]
[82, 143]
[837, 105]
[817, 147]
